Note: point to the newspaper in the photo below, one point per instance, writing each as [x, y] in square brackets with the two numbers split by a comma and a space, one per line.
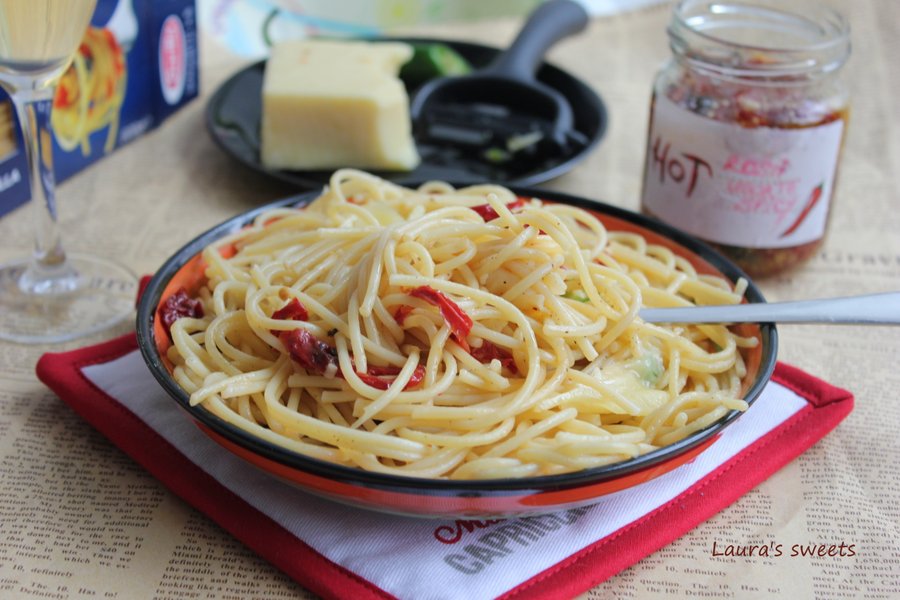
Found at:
[78, 519]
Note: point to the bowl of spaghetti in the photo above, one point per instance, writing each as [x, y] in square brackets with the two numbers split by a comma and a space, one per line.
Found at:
[442, 351]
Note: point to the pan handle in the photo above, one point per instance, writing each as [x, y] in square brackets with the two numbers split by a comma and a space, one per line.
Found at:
[549, 23]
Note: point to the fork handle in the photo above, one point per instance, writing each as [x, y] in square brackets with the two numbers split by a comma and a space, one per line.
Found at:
[872, 309]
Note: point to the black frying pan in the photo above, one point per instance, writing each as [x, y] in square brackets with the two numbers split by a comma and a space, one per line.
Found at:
[233, 120]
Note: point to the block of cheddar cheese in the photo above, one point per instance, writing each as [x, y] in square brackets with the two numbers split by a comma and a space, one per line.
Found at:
[336, 103]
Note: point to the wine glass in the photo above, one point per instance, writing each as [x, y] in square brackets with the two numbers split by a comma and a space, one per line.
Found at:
[51, 296]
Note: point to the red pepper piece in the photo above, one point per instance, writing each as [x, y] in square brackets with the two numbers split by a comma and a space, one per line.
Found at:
[457, 320]
[317, 357]
[487, 212]
[375, 374]
[309, 352]
[488, 352]
[292, 311]
[402, 312]
[814, 198]
[176, 306]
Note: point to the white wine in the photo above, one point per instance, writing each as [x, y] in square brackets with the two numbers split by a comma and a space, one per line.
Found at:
[39, 37]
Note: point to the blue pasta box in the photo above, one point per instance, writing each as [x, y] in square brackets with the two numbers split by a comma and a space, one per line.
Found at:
[136, 65]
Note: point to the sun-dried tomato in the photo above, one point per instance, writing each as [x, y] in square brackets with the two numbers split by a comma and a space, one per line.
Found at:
[489, 351]
[310, 352]
[179, 305]
[292, 311]
[375, 374]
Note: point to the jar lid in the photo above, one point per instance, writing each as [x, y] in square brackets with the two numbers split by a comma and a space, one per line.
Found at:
[760, 38]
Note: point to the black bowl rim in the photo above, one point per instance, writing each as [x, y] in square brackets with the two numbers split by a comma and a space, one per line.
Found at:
[310, 180]
[146, 314]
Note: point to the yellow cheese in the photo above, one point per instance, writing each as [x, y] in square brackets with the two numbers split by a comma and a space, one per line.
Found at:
[332, 103]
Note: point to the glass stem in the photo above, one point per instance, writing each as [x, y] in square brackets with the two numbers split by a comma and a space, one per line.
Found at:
[48, 271]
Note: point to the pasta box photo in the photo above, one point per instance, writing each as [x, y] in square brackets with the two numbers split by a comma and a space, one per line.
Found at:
[136, 65]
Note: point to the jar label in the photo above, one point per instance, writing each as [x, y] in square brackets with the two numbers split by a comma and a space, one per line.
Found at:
[759, 187]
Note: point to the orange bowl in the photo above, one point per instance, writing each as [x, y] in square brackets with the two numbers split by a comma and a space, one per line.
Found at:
[442, 497]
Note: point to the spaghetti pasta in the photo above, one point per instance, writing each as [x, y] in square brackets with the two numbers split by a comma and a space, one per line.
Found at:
[452, 333]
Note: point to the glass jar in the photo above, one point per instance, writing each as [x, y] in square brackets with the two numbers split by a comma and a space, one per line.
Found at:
[746, 128]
